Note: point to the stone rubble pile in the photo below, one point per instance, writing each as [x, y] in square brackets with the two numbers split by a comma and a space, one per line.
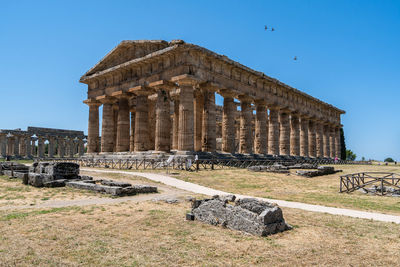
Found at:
[60, 174]
[276, 168]
[13, 169]
[248, 214]
[321, 170]
[378, 190]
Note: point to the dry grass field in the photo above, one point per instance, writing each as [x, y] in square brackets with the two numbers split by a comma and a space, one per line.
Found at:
[321, 190]
[154, 233]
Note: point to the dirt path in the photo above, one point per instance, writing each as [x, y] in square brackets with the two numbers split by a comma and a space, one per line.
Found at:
[199, 189]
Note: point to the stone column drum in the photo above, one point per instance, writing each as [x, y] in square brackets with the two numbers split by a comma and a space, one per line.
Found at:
[228, 124]
[304, 136]
[312, 142]
[273, 134]
[209, 142]
[107, 127]
[123, 123]
[198, 122]
[141, 122]
[284, 137]
[93, 129]
[294, 135]
[186, 112]
[163, 122]
[246, 131]
[260, 136]
[326, 134]
[320, 141]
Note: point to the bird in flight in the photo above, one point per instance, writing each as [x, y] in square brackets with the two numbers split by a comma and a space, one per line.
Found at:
[266, 28]
[295, 58]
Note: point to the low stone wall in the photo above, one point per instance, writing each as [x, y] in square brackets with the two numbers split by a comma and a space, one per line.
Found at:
[248, 215]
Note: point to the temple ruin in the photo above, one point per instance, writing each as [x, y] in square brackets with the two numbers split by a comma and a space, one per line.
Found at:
[32, 142]
[160, 96]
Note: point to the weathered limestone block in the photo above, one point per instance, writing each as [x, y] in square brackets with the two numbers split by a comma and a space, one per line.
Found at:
[322, 170]
[247, 215]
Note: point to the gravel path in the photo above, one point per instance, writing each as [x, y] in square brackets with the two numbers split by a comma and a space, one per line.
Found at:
[199, 189]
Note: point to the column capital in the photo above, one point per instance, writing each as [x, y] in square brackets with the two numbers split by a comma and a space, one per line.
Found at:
[186, 79]
[210, 86]
[92, 102]
[226, 93]
[141, 90]
[121, 94]
[163, 85]
[105, 99]
[260, 102]
[245, 99]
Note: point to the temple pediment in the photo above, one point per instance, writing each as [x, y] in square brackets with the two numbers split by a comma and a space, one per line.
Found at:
[126, 51]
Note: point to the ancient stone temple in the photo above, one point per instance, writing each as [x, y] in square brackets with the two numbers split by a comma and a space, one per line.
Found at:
[33, 142]
[160, 96]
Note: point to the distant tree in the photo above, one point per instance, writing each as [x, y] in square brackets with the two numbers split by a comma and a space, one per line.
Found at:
[343, 151]
[362, 158]
[350, 155]
[389, 160]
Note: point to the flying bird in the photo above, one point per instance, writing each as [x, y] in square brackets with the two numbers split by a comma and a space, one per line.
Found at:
[265, 27]
[295, 58]
[272, 29]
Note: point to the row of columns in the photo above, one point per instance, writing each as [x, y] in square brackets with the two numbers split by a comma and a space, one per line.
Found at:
[25, 146]
[278, 132]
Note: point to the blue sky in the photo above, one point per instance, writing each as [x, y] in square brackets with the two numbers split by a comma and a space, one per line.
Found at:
[348, 54]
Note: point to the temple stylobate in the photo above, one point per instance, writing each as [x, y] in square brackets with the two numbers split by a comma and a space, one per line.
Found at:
[160, 96]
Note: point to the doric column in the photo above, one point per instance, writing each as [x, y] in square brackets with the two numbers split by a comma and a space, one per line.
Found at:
[186, 111]
[132, 130]
[61, 147]
[142, 140]
[175, 124]
[3, 145]
[40, 147]
[22, 146]
[260, 136]
[209, 124]
[337, 142]
[163, 121]
[326, 135]
[228, 123]
[28, 148]
[93, 126]
[71, 147]
[304, 136]
[115, 121]
[273, 134]
[33, 146]
[107, 127]
[284, 137]
[198, 118]
[332, 146]
[51, 147]
[81, 147]
[320, 139]
[152, 121]
[122, 121]
[16, 146]
[246, 131]
[312, 142]
[294, 135]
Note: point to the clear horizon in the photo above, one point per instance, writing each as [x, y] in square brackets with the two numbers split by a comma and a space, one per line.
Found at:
[347, 55]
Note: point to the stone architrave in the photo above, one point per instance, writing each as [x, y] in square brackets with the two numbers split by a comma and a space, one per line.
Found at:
[246, 131]
[93, 128]
[304, 136]
[260, 135]
[123, 123]
[273, 134]
[107, 127]
[312, 142]
[228, 123]
[284, 137]
[209, 124]
[325, 137]
[198, 122]
[294, 135]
